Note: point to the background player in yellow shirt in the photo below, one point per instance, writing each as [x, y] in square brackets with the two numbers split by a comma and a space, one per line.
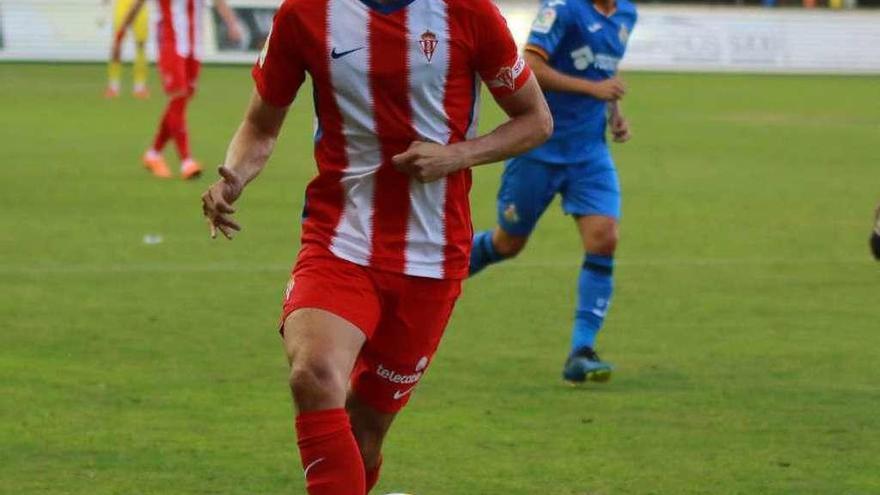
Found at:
[140, 28]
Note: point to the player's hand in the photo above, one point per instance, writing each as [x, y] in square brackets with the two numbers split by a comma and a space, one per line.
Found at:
[217, 203]
[427, 162]
[234, 32]
[612, 89]
[619, 127]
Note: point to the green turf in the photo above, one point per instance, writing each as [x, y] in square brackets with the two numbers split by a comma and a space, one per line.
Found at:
[745, 325]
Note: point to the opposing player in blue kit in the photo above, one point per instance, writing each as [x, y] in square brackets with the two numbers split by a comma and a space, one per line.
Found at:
[574, 49]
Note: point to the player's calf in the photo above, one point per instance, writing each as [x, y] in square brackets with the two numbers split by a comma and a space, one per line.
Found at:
[492, 246]
[370, 428]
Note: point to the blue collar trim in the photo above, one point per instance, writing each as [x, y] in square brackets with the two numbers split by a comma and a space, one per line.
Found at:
[388, 7]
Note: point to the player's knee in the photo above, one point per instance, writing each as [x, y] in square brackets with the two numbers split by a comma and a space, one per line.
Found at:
[508, 245]
[315, 383]
[603, 240]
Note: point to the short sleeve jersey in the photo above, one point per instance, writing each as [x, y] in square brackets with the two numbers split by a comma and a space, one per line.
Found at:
[384, 75]
[578, 40]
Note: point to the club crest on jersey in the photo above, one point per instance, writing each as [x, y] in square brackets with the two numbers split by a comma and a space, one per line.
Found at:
[429, 43]
[510, 214]
[623, 34]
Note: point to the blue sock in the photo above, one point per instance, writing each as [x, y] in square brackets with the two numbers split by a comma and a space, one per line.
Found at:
[483, 252]
[595, 286]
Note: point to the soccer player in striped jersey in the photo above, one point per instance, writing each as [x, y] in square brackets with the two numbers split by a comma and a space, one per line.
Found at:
[386, 230]
[179, 36]
[574, 48]
[140, 29]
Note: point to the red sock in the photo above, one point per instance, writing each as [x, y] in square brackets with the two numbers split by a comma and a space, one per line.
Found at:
[373, 476]
[181, 134]
[173, 125]
[330, 455]
[162, 135]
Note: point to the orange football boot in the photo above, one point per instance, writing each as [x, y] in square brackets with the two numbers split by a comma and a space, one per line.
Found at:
[141, 92]
[111, 93]
[156, 165]
[190, 170]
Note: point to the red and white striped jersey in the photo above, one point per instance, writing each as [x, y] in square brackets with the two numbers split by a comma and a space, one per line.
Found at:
[179, 26]
[384, 75]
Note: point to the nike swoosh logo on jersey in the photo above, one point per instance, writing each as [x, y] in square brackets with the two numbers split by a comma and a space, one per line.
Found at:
[592, 28]
[337, 55]
[399, 395]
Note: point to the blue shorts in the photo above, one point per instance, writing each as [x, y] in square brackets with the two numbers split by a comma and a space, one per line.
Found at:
[528, 186]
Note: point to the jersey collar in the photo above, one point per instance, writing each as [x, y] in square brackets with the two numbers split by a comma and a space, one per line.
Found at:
[387, 8]
[603, 14]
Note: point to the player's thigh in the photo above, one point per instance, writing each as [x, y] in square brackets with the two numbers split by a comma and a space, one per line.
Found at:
[527, 188]
[173, 70]
[321, 341]
[120, 10]
[592, 195]
[193, 71]
[592, 188]
[329, 310]
[141, 25]
[415, 312]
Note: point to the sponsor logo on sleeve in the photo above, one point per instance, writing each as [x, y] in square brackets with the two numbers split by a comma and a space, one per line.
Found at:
[545, 20]
[506, 77]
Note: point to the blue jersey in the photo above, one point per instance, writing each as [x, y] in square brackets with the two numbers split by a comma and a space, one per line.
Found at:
[579, 41]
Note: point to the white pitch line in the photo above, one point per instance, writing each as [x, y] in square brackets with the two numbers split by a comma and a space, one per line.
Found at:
[284, 267]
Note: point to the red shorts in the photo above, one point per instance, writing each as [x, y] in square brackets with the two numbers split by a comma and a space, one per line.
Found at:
[180, 74]
[403, 318]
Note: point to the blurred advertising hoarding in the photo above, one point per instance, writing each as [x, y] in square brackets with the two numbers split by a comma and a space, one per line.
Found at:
[667, 38]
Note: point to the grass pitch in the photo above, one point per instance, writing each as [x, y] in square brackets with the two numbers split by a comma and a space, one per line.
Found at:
[745, 324]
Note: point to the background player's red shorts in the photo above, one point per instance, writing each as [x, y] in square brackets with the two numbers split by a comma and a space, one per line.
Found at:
[179, 74]
[403, 318]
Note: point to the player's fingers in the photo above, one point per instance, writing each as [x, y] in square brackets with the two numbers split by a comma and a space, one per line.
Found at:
[224, 207]
[224, 221]
[213, 229]
[226, 231]
[405, 158]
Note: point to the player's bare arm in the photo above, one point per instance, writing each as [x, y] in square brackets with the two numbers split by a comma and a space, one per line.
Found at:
[116, 53]
[248, 152]
[529, 125]
[550, 79]
[232, 27]
[618, 124]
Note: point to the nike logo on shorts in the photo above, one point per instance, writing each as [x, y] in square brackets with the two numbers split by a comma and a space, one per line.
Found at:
[401, 394]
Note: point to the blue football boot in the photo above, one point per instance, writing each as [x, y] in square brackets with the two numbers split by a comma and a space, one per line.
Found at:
[585, 365]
